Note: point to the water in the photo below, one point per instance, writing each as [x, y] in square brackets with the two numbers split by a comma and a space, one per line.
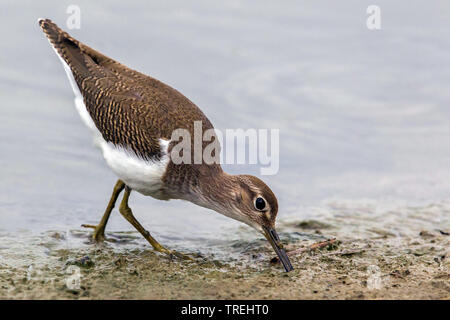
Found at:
[363, 115]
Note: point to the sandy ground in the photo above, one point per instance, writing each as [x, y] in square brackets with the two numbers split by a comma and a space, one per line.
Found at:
[382, 267]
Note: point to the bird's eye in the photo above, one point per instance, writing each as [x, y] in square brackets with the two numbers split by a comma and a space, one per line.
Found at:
[260, 204]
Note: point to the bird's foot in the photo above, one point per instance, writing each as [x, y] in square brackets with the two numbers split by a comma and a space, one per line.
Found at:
[171, 253]
[99, 232]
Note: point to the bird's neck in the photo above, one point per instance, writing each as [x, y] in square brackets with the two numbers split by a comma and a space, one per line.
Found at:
[214, 192]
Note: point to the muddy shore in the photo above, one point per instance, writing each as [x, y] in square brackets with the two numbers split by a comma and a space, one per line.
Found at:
[380, 267]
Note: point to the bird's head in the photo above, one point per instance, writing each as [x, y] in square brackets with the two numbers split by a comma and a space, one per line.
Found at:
[250, 200]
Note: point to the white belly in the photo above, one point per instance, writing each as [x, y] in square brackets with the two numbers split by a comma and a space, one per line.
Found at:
[140, 175]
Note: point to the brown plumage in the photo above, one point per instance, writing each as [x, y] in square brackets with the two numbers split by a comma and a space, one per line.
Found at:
[119, 98]
[134, 111]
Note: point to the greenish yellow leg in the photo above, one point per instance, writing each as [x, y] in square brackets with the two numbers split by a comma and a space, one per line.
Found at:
[125, 210]
[99, 230]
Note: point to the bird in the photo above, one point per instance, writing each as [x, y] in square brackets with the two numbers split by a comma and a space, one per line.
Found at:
[132, 117]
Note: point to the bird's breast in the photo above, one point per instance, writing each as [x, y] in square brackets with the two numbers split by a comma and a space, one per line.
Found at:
[143, 176]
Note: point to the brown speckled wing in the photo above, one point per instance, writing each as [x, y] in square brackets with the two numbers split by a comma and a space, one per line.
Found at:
[129, 109]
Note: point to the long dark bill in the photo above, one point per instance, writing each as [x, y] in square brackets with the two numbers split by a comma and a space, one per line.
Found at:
[274, 240]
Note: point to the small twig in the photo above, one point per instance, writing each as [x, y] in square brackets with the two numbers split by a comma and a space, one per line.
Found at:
[444, 233]
[346, 253]
[314, 246]
[396, 274]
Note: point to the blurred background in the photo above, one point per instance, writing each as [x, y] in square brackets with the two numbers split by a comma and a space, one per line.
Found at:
[363, 114]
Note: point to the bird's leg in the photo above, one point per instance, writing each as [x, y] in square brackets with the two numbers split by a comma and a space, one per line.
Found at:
[125, 210]
[99, 230]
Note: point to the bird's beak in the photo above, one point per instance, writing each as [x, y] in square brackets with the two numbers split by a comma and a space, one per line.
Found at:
[274, 240]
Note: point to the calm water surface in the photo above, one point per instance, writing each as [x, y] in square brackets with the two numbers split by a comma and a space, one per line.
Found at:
[363, 115]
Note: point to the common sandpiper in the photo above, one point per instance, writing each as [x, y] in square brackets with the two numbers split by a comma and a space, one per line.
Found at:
[132, 117]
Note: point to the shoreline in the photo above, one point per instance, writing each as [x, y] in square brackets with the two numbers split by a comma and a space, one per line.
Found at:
[383, 267]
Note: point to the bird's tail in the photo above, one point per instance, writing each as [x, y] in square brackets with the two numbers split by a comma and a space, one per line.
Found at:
[68, 48]
[55, 35]
[81, 59]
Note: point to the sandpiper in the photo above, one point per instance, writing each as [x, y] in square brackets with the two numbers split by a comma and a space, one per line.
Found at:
[132, 117]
